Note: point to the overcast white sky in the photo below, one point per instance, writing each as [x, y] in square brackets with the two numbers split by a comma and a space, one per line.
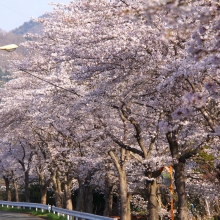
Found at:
[13, 13]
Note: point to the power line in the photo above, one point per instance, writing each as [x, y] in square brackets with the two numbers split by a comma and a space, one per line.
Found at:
[15, 11]
[71, 91]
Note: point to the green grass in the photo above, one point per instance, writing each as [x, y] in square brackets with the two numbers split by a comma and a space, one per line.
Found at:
[51, 216]
[45, 214]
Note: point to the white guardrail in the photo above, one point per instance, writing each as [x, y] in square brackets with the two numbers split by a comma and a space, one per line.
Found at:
[69, 213]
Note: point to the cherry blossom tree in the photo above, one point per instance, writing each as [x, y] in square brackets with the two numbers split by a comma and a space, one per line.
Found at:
[131, 82]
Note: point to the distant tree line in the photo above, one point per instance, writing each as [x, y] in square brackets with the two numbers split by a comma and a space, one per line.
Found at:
[4, 76]
[28, 27]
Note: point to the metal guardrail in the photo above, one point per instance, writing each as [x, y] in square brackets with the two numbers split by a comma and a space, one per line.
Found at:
[26, 205]
[82, 215]
[69, 213]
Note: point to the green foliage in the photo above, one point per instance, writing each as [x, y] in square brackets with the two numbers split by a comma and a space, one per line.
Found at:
[14, 209]
[197, 208]
[205, 162]
[49, 216]
[207, 158]
[206, 147]
[35, 193]
[165, 175]
[34, 190]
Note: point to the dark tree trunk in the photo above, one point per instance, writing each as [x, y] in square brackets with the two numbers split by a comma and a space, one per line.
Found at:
[108, 197]
[26, 186]
[179, 177]
[80, 197]
[108, 203]
[85, 196]
[8, 189]
[88, 198]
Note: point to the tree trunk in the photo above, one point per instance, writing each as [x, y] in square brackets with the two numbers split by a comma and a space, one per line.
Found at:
[179, 177]
[43, 188]
[108, 197]
[57, 188]
[159, 197]
[43, 194]
[125, 212]
[152, 200]
[125, 197]
[80, 201]
[67, 193]
[26, 186]
[84, 201]
[207, 208]
[8, 190]
[108, 202]
[88, 199]
[16, 191]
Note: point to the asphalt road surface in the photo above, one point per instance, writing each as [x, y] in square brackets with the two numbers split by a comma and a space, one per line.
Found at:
[14, 216]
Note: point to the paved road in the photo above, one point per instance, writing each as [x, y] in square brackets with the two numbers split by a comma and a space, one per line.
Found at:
[19, 216]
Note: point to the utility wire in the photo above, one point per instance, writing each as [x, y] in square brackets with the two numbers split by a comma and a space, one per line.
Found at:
[74, 92]
[15, 11]
[71, 91]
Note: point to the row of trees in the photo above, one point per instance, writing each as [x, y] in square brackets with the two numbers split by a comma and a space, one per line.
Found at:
[110, 94]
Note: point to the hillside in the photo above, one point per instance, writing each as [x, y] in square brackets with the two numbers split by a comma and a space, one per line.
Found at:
[9, 38]
[28, 27]
[15, 37]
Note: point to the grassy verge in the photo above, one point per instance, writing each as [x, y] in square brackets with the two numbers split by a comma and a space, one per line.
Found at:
[45, 214]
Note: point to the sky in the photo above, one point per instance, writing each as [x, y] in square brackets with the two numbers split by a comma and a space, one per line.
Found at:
[13, 13]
